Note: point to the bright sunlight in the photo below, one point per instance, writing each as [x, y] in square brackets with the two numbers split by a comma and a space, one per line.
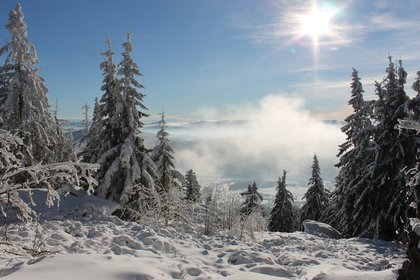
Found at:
[317, 23]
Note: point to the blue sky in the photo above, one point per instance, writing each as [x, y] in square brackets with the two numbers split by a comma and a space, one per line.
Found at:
[205, 56]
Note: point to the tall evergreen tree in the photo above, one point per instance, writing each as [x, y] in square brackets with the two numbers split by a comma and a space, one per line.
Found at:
[127, 174]
[356, 157]
[106, 129]
[381, 206]
[24, 106]
[163, 156]
[282, 217]
[317, 197]
[170, 179]
[252, 201]
[192, 187]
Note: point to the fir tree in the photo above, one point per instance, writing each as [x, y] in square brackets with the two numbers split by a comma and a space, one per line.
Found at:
[381, 206]
[252, 213]
[282, 217]
[317, 197]
[163, 157]
[170, 180]
[24, 106]
[415, 102]
[356, 157]
[252, 201]
[105, 131]
[192, 187]
[127, 174]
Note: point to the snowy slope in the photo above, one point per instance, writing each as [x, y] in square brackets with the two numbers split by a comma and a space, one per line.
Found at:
[85, 242]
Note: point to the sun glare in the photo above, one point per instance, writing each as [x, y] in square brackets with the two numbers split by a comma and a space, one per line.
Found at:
[316, 24]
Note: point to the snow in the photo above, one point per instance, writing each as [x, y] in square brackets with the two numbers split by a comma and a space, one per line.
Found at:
[321, 229]
[81, 240]
[415, 225]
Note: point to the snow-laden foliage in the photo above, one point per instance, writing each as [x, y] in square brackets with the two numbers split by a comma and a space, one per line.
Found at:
[192, 187]
[411, 267]
[170, 180]
[16, 178]
[105, 131]
[356, 158]
[163, 156]
[252, 201]
[222, 210]
[132, 98]
[371, 195]
[316, 197]
[24, 106]
[252, 213]
[282, 217]
[127, 174]
[380, 208]
[413, 193]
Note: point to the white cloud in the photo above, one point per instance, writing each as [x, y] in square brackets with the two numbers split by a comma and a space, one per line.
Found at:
[278, 134]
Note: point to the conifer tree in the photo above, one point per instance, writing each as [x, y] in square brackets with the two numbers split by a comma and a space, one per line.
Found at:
[356, 157]
[282, 217]
[381, 206]
[252, 212]
[252, 201]
[106, 129]
[192, 187]
[415, 102]
[170, 179]
[65, 147]
[24, 105]
[163, 157]
[127, 174]
[317, 197]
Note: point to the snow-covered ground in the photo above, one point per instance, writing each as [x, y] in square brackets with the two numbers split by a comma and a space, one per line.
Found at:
[80, 240]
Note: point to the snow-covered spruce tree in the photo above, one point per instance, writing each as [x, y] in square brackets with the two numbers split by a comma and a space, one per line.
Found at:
[163, 156]
[105, 132]
[411, 267]
[252, 212]
[24, 106]
[381, 206]
[356, 158]
[170, 180]
[127, 174]
[316, 197]
[282, 217]
[192, 187]
[252, 201]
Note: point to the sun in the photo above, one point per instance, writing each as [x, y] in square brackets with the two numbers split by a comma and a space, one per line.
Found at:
[317, 23]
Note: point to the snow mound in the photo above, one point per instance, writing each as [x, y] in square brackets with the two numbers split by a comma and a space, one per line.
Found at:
[92, 244]
[321, 229]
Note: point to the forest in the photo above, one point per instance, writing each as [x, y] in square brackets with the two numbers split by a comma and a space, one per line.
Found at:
[376, 192]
